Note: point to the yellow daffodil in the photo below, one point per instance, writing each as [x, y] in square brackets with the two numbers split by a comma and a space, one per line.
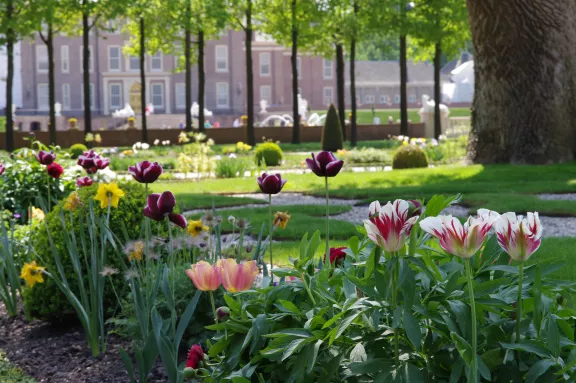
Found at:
[195, 228]
[72, 202]
[109, 193]
[32, 274]
[37, 214]
[281, 219]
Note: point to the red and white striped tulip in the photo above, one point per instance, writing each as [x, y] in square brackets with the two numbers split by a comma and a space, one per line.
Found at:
[519, 236]
[388, 226]
[461, 240]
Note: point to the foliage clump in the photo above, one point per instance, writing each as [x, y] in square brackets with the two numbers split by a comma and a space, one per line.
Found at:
[268, 153]
[332, 139]
[76, 150]
[409, 157]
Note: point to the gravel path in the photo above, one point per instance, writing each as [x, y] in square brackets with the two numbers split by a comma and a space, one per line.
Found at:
[553, 226]
[558, 197]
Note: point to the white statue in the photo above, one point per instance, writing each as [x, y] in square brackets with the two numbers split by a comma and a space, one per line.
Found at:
[427, 116]
[195, 111]
[263, 106]
[428, 106]
[58, 109]
[124, 113]
[302, 108]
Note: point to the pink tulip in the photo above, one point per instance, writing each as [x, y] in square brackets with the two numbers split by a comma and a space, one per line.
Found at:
[461, 240]
[206, 277]
[519, 237]
[2, 169]
[84, 182]
[389, 226]
[238, 277]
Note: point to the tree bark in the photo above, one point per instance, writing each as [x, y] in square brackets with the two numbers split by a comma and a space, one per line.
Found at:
[51, 85]
[525, 81]
[250, 137]
[143, 78]
[294, 62]
[437, 90]
[188, 70]
[353, 124]
[340, 87]
[86, 74]
[403, 86]
[201, 81]
[10, 40]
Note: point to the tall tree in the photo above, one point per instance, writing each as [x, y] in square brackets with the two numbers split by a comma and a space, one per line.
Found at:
[525, 81]
[291, 23]
[353, 41]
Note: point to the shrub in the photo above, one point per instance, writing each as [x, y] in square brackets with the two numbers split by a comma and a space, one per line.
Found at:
[408, 157]
[365, 156]
[76, 150]
[269, 154]
[332, 139]
[46, 300]
[231, 167]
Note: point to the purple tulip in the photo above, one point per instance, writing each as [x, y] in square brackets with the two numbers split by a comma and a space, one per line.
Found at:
[161, 205]
[84, 182]
[145, 172]
[271, 183]
[92, 162]
[325, 164]
[45, 158]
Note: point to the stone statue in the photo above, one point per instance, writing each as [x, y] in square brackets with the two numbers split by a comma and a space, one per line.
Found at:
[263, 106]
[58, 109]
[302, 108]
[427, 115]
[195, 111]
[124, 113]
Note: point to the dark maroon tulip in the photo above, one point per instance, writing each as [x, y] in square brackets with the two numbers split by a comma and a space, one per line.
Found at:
[83, 182]
[161, 205]
[223, 313]
[325, 164]
[271, 183]
[92, 162]
[55, 170]
[2, 169]
[415, 208]
[337, 255]
[45, 158]
[145, 172]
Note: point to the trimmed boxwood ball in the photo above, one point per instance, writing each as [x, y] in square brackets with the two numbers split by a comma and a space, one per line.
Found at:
[408, 157]
[46, 301]
[332, 139]
[76, 150]
[268, 154]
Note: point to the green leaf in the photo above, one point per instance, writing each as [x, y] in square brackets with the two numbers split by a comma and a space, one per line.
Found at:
[232, 304]
[240, 379]
[483, 369]
[412, 374]
[538, 369]
[435, 205]
[292, 347]
[283, 272]
[303, 247]
[456, 371]
[370, 366]
[358, 353]
[186, 318]
[297, 332]
[553, 337]
[314, 355]
[313, 246]
[397, 317]
[463, 347]
[288, 306]
[361, 230]
[353, 244]
[505, 268]
[343, 326]
[127, 364]
[533, 347]
[412, 329]
[349, 288]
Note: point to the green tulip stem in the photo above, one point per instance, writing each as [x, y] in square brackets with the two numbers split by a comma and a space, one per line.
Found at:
[303, 277]
[519, 303]
[473, 363]
[213, 306]
[394, 303]
[327, 223]
[49, 202]
[146, 191]
[271, 231]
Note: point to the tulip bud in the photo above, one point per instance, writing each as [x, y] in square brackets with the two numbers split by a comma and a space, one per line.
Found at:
[223, 313]
[249, 248]
[189, 373]
[414, 208]
[311, 269]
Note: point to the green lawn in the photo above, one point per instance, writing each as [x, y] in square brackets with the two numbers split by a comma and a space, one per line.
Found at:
[365, 116]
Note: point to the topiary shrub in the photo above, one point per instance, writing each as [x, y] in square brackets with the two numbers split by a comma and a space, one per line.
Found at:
[268, 153]
[45, 300]
[332, 139]
[76, 150]
[408, 157]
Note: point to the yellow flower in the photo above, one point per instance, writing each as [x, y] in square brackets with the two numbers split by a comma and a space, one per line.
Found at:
[72, 120]
[89, 137]
[404, 142]
[98, 138]
[37, 215]
[134, 250]
[281, 219]
[72, 202]
[183, 138]
[109, 193]
[131, 119]
[195, 228]
[32, 274]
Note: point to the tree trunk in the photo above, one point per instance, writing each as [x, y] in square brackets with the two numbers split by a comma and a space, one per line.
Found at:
[86, 74]
[294, 62]
[10, 39]
[143, 78]
[437, 91]
[51, 85]
[353, 124]
[403, 90]
[340, 87]
[201, 81]
[525, 89]
[250, 137]
[188, 70]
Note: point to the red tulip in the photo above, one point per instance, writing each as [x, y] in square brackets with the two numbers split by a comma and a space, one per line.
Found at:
[55, 170]
[271, 183]
[46, 158]
[325, 164]
[160, 206]
[195, 357]
[145, 172]
[84, 182]
[337, 255]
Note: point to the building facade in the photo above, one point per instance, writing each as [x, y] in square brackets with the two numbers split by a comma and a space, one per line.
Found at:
[115, 76]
